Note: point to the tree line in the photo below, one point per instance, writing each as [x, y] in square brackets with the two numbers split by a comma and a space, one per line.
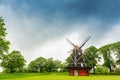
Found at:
[108, 55]
[14, 62]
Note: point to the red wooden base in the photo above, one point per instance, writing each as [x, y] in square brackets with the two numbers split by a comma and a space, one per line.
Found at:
[79, 72]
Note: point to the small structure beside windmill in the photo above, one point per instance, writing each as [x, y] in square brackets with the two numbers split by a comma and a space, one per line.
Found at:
[77, 64]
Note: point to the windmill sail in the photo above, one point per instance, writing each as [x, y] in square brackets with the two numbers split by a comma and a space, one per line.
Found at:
[70, 42]
[85, 42]
[77, 55]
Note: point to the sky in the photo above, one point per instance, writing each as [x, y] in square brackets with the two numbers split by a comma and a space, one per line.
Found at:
[41, 27]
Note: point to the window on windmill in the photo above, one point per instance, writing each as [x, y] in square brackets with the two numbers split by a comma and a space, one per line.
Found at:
[79, 53]
[82, 65]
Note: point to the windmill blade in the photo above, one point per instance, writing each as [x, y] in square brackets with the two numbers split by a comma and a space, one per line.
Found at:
[85, 42]
[70, 42]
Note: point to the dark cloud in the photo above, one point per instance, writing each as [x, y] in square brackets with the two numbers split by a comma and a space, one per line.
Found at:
[107, 10]
[59, 16]
[64, 14]
[103, 9]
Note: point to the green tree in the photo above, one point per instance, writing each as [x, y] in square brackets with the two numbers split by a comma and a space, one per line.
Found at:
[58, 65]
[37, 65]
[4, 44]
[68, 60]
[63, 67]
[101, 70]
[13, 61]
[106, 52]
[50, 65]
[91, 57]
[116, 50]
[31, 67]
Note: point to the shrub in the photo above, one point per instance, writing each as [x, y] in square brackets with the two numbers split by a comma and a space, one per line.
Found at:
[101, 70]
[117, 70]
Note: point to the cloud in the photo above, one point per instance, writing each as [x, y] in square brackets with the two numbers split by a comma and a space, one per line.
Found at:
[29, 34]
[112, 35]
[57, 48]
[68, 10]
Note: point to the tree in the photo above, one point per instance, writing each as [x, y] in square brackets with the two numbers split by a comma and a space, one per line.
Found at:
[106, 52]
[58, 65]
[68, 60]
[100, 69]
[31, 67]
[4, 44]
[63, 67]
[37, 65]
[50, 65]
[13, 61]
[116, 50]
[91, 57]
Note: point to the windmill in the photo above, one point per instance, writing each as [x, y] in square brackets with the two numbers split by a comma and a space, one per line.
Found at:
[77, 63]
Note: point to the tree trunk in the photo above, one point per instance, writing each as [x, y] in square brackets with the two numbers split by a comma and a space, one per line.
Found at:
[40, 70]
[11, 70]
[110, 69]
[93, 69]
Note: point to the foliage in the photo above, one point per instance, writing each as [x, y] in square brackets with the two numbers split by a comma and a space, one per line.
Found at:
[42, 65]
[68, 60]
[91, 56]
[100, 69]
[63, 67]
[50, 65]
[4, 44]
[13, 61]
[57, 63]
[117, 70]
[37, 65]
[116, 49]
[106, 52]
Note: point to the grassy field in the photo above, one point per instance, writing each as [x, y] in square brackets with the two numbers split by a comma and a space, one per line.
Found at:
[55, 76]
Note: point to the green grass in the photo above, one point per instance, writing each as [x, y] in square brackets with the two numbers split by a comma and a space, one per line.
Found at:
[55, 76]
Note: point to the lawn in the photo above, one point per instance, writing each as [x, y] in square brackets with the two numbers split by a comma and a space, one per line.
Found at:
[55, 76]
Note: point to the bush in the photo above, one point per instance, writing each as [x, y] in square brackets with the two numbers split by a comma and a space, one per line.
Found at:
[101, 70]
[117, 70]
[6, 70]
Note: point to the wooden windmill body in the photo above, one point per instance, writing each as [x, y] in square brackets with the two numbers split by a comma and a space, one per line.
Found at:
[77, 64]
